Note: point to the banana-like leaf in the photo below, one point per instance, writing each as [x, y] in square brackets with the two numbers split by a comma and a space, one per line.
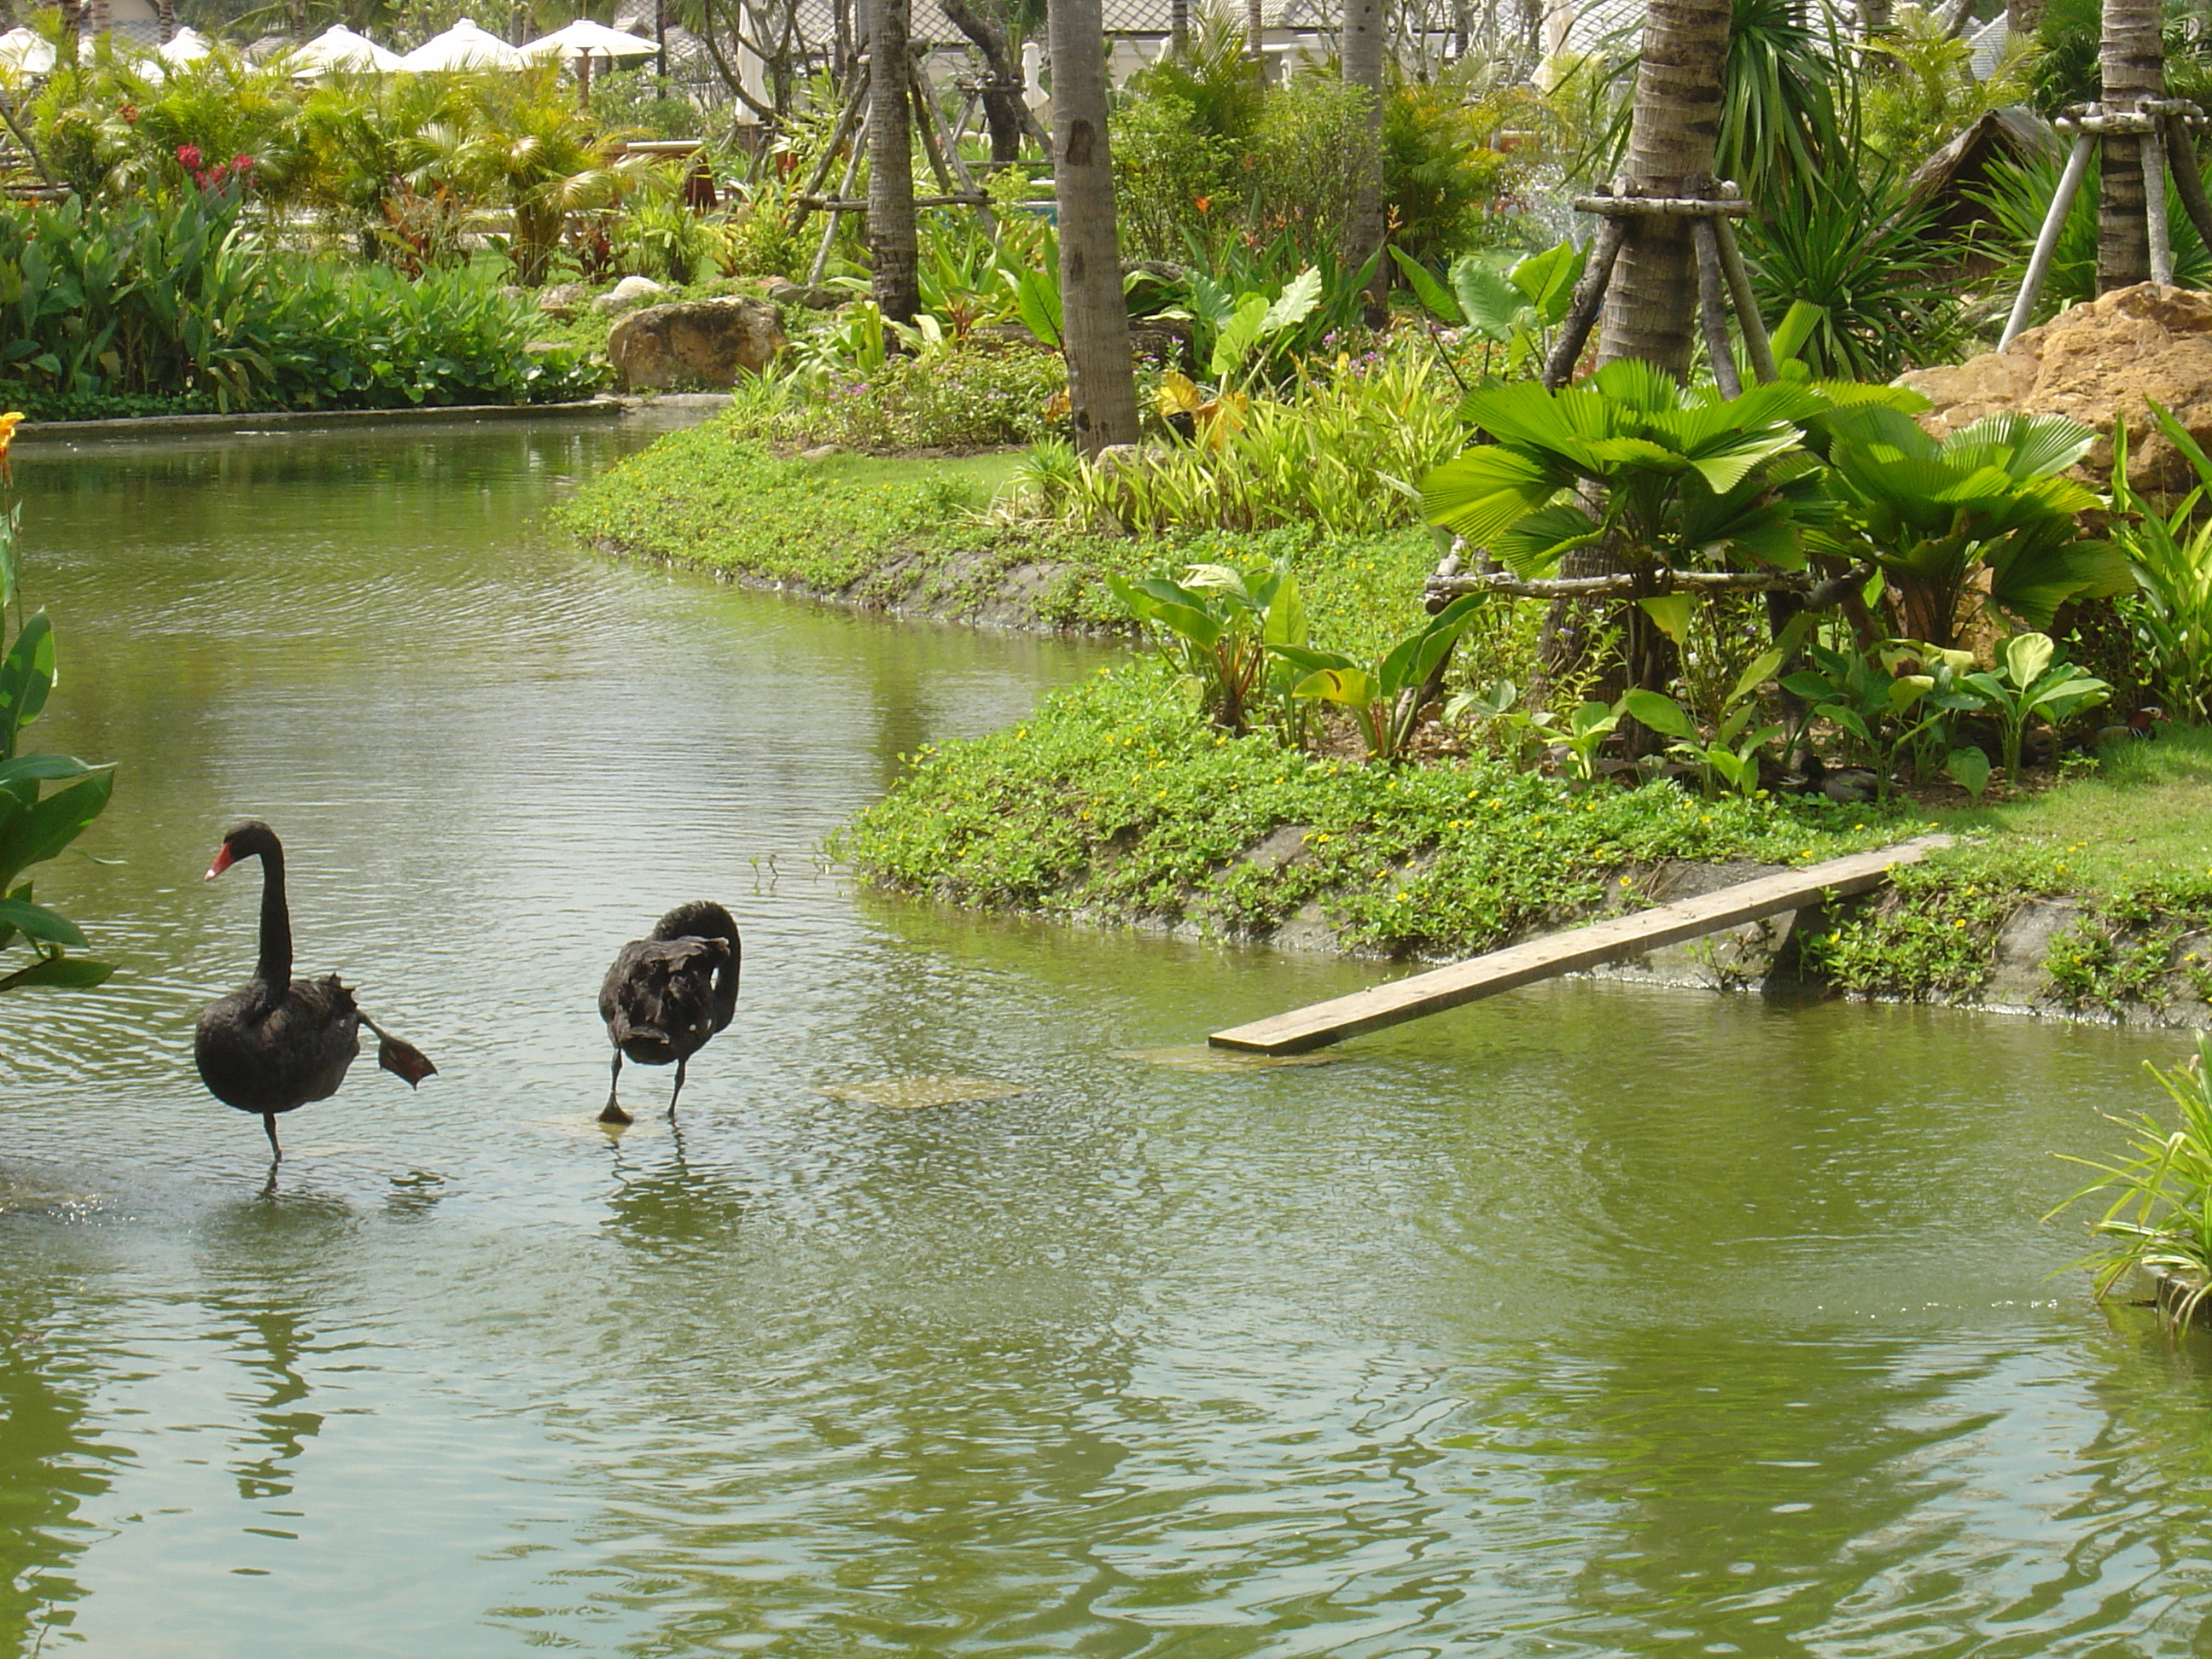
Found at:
[1970, 770]
[1548, 279]
[1661, 712]
[1427, 290]
[1671, 612]
[2026, 656]
[1293, 305]
[1286, 622]
[59, 974]
[1355, 688]
[36, 921]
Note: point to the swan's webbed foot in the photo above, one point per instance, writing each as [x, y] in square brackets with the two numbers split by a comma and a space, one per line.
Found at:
[614, 1113]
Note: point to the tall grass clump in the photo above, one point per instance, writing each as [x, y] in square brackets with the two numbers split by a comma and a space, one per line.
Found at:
[2160, 1218]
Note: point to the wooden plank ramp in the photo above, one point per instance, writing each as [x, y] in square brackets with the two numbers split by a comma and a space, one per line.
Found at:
[1401, 1000]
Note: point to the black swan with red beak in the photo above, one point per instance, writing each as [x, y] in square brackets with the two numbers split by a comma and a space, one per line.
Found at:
[666, 995]
[277, 1042]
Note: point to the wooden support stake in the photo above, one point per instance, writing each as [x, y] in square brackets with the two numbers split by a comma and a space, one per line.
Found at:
[2046, 240]
[844, 189]
[1712, 309]
[838, 134]
[2161, 239]
[1590, 299]
[2187, 182]
[1756, 345]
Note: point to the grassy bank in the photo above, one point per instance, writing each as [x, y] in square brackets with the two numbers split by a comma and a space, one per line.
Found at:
[915, 532]
[1111, 804]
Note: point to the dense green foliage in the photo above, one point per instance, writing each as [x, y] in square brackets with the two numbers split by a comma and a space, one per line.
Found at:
[38, 823]
[181, 302]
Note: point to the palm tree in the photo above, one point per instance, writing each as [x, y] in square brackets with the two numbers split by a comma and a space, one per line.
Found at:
[893, 248]
[1650, 308]
[1363, 68]
[2134, 64]
[1094, 318]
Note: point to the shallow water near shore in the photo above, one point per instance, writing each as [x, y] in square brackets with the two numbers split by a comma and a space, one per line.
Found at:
[965, 1309]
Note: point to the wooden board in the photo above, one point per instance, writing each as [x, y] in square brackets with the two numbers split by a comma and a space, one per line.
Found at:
[1402, 1000]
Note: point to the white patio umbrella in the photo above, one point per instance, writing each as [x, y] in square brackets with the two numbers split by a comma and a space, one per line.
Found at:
[585, 39]
[25, 53]
[464, 46]
[186, 45]
[339, 48]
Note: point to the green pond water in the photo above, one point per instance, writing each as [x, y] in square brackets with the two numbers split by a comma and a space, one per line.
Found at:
[1591, 1319]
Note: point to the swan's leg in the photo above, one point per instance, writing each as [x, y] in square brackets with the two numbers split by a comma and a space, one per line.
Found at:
[678, 1089]
[269, 1128]
[614, 1113]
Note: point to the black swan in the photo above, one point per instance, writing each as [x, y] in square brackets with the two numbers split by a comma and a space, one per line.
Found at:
[277, 1042]
[666, 995]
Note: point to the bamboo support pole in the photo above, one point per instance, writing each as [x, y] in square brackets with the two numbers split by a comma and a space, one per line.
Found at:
[1590, 299]
[2046, 240]
[1756, 345]
[1712, 309]
[2161, 241]
[821, 265]
[2187, 182]
[838, 133]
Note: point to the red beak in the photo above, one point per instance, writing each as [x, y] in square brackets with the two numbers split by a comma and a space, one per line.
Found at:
[223, 859]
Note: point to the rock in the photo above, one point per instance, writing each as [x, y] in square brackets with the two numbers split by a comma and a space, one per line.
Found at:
[1165, 341]
[2092, 363]
[629, 292]
[1116, 458]
[695, 343]
[513, 291]
[782, 290]
[821, 451]
[564, 299]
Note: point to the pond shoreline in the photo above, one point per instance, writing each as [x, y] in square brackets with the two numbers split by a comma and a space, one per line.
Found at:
[140, 426]
[1975, 929]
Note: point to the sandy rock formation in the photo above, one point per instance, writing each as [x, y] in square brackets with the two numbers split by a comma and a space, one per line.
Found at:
[564, 299]
[630, 291]
[695, 343]
[2092, 363]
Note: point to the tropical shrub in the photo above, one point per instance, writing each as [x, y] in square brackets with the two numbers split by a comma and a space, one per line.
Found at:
[1935, 515]
[953, 397]
[2017, 197]
[2170, 551]
[1169, 176]
[2160, 1218]
[36, 823]
[1443, 181]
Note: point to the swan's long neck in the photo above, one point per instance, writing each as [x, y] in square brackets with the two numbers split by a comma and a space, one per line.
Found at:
[275, 967]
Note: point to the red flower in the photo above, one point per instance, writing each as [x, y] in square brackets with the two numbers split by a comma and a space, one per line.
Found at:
[241, 163]
[188, 157]
[129, 113]
[1203, 202]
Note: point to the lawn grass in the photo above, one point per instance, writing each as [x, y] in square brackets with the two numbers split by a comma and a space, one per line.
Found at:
[2145, 815]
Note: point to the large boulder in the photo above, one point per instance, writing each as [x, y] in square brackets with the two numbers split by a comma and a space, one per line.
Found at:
[629, 292]
[564, 299]
[2096, 363]
[695, 343]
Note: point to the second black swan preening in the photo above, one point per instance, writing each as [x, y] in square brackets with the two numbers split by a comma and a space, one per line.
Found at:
[666, 994]
[277, 1042]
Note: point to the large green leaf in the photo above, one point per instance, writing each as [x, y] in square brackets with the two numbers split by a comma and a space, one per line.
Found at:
[1481, 492]
[1427, 290]
[2037, 445]
[1548, 280]
[1536, 543]
[38, 834]
[1355, 688]
[1293, 305]
[59, 974]
[1661, 712]
[36, 921]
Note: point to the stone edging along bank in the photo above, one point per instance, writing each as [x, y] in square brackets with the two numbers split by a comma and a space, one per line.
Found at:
[137, 426]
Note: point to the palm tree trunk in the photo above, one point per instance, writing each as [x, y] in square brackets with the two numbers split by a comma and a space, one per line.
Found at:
[1178, 29]
[2134, 65]
[1256, 33]
[165, 18]
[1363, 68]
[2023, 17]
[1006, 116]
[892, 245]
[1650, 309]
[1094, 318]
[93, 22]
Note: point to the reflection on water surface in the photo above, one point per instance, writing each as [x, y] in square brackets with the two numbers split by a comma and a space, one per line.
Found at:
[1588, 1319]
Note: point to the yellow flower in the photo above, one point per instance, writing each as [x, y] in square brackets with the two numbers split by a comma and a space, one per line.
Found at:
[8, 422]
